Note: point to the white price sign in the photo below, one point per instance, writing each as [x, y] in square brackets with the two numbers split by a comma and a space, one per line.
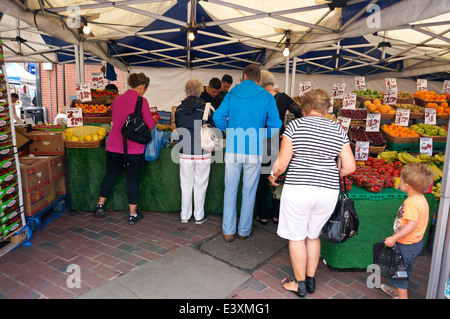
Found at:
[331, 107]
[360, 82]
[402, 117]
[430, 116]
[349, 102]
[338, 90]
[304, 87]
[422, 84]
[344, 122]
[426, 145]
[361, 151]
[391, 83]
[98, 82]
[373, 122]
[446, 87]
[74, 117]
[83, 92]
[390, 97]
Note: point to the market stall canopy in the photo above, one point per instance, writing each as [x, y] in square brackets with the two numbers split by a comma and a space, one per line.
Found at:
[17, 74]
[355, 37]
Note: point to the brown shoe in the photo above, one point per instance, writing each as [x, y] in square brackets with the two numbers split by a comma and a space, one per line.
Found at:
[244, 237]
[228, 238]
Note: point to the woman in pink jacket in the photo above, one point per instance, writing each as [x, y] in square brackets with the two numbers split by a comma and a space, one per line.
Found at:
[123, 106]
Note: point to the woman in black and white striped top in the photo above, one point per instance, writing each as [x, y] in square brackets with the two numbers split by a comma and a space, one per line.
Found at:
[310, 147]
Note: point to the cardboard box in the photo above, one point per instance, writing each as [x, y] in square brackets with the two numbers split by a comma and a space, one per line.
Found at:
[34, 172]
[56, 164]
[38, 198]
[8, 179]
[46, 143]
[61, 185]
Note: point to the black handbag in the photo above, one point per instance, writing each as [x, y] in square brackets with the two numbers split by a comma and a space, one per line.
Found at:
[343, 223]
[135, 128]
[390, 261]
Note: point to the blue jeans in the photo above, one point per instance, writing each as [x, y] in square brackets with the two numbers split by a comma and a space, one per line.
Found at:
[409, 254]
[234, 164]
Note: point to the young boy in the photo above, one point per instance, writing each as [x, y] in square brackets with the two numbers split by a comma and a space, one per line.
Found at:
[410, 223]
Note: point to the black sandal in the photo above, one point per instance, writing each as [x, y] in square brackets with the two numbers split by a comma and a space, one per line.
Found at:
[301, 289]
[260, 221]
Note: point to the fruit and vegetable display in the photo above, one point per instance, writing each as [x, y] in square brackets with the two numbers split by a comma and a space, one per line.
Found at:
[368, 93]
[430, 96]
[85, 133]
[375, 174]
[103, 93]
[429, 130]
[355, 114]
[441, 108]
[378, 107]
[413, 108]
[358, 133]
[93, 108]
[399, 131]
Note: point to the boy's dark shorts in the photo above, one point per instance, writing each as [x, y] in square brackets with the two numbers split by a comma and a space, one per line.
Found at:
[409, 253]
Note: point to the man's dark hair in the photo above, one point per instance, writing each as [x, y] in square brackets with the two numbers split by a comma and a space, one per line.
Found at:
[253, 72]
[215, 83]
[111, 87]
[15, 95]
[227, 78]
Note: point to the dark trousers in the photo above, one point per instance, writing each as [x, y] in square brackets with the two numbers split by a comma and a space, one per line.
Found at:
[115, 163]
[261, 199]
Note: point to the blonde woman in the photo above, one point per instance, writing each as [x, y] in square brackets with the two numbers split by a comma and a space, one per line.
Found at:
[194, 162]
[317, 151]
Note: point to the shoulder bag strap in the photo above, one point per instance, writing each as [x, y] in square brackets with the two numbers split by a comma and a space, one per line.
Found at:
[206, 112]
[138, 108]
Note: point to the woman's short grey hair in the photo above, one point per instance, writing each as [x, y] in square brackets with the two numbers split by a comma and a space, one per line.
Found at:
[193, 87]
[267, 78]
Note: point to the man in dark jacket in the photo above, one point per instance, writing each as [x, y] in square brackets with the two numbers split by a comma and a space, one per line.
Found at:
[211, 93]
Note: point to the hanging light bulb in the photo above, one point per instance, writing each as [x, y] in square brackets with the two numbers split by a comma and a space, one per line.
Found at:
[286, 51]
[191, 35]
[86, 29]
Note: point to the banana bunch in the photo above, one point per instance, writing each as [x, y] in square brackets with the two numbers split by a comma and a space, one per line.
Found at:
[424, 157]
[437, 173]
[439, 158]
[388, 156]
[406, 158]
[437, 191]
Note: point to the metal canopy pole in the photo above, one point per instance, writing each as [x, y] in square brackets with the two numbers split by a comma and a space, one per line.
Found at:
[294, 71]
[440, 260]
[286, 76]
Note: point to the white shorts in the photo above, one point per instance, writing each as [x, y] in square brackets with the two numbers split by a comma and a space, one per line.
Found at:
[304, 210]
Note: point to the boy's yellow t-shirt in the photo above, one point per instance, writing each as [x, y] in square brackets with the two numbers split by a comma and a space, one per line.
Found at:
[414, 208]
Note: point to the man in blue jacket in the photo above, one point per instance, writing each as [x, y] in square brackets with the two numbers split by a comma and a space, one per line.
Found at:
[249, 114]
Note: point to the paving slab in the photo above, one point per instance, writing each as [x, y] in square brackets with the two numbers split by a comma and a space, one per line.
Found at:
[185, 273]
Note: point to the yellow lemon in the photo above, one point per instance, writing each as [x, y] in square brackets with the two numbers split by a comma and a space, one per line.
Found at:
[101, 132]
[75, 138]
[95, 137]
[69, 133]
[88, 138]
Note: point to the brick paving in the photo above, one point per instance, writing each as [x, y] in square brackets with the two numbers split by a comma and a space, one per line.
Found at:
[109, 247]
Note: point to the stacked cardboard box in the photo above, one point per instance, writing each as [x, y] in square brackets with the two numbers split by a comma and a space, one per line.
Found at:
[43, 171]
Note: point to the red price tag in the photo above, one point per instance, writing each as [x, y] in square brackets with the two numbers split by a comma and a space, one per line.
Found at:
[74, 117]
[446, 87]
[304, 87]
[361, 151]
[338, 90]
[391, 83]
[349, 101]
[430, 116]
[344, 122]
[426, 145]
[402, 117]
[390, 97]
[360, 82]
[83, 92]
[373, 122]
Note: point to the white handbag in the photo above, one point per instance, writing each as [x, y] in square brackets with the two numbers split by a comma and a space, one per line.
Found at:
[210, 141]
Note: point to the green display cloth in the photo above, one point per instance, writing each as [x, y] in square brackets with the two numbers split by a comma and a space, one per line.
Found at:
[376, 220]
[159, 186]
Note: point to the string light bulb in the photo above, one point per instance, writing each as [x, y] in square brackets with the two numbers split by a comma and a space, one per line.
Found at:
[286, 52]
[86, 29]
[191, 36]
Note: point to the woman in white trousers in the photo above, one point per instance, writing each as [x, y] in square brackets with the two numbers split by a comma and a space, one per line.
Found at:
[194, 162]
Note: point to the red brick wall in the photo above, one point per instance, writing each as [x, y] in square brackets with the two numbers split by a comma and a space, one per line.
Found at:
[49, 84]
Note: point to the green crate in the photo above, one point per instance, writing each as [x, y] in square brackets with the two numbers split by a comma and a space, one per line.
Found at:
[399, 147]
[386, 193]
